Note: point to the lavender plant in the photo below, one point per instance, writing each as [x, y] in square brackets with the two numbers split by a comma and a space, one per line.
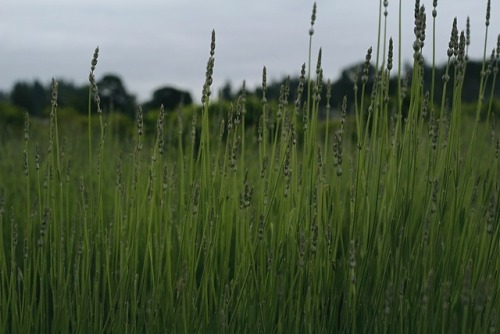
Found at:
[383, 219]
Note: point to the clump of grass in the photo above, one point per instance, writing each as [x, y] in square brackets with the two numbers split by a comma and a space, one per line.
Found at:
[388, 224]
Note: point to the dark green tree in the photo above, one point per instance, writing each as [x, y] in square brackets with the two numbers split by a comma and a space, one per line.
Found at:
[169, 97]
[73, 96]
[226, 92]
[4, 96]
[30, 97]
[114, 96]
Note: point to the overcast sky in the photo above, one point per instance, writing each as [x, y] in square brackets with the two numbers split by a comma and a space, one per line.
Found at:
[152, 43]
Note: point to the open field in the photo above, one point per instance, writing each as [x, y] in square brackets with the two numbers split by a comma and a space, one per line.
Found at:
[383, 218]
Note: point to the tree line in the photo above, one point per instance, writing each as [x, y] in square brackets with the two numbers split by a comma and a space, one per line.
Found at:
[34, 97]
[344, 85]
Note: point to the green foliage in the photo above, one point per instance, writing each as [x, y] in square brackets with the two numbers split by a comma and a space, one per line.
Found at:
[170, 98]
[114, 96]
[31, 97]
[384, 221]
[10, 115]
[120, 125]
